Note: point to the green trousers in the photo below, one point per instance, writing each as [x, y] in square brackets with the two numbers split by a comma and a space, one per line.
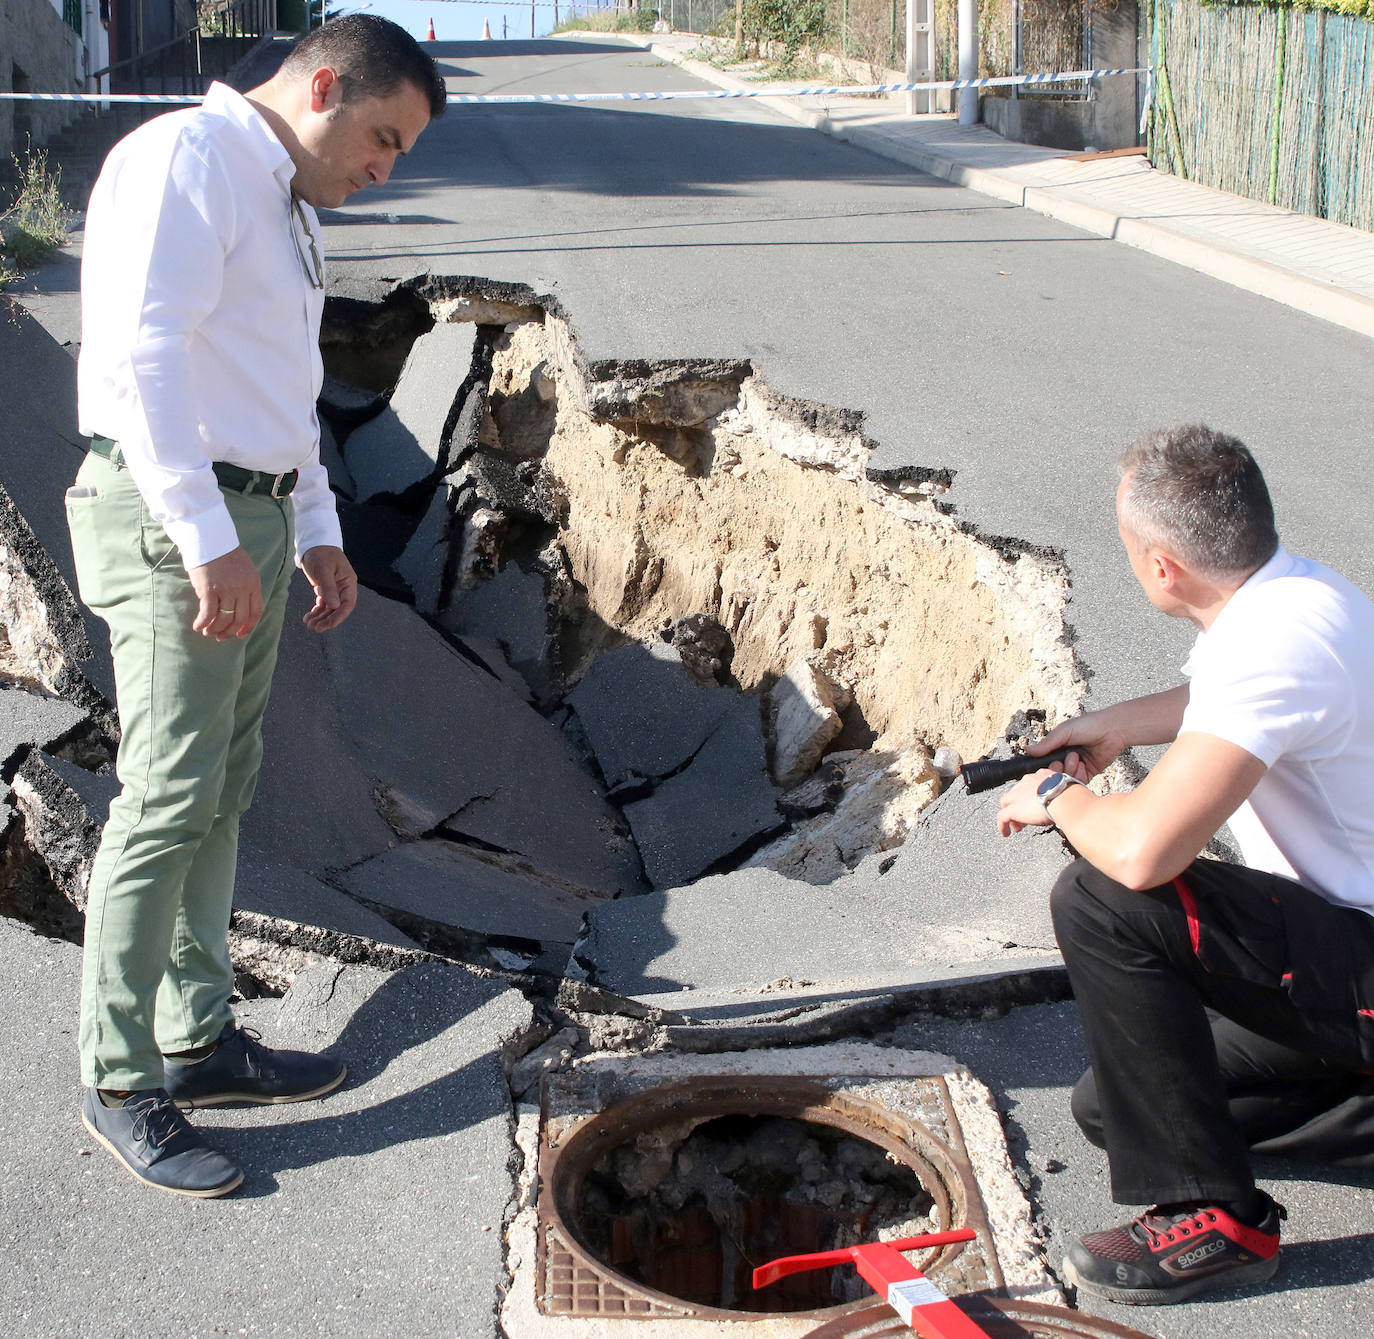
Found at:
[156, 974]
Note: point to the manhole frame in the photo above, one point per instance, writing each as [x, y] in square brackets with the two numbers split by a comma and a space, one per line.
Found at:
[570, 1146]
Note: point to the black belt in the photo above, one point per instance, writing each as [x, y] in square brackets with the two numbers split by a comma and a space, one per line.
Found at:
[231, 476]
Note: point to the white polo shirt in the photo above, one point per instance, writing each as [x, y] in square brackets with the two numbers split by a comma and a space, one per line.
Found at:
[1286, 671]
[200, 325]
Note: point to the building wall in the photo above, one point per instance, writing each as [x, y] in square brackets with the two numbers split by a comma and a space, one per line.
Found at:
[44, 55]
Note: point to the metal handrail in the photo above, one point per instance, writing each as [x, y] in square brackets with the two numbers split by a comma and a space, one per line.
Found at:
[244, 19]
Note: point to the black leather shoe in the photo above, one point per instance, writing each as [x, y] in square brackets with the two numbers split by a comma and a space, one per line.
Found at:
[241, 1069]
[153, 1141]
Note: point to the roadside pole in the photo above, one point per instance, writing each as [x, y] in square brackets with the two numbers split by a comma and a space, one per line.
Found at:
[968, 61]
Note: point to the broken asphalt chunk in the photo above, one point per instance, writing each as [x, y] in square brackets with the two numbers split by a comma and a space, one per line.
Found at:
[485, 897]
[314, 806]
[274, 901]
[344, 406]
[644, 715]
[424, 563]
[942, 913]
[45, 628]
[34, 721]
[446, 743]
[406, 443]
[512, 610]
[721, 801]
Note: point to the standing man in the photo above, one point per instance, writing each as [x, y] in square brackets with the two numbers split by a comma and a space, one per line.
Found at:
[202, 291]
[1222, 1005]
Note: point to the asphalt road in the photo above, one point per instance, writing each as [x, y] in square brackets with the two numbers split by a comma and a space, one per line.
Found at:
[974, 336]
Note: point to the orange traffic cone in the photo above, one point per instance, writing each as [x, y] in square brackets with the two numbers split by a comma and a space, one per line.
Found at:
[429, 36]
[486, 30]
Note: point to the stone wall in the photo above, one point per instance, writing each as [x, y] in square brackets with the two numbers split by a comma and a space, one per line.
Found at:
[38, 53]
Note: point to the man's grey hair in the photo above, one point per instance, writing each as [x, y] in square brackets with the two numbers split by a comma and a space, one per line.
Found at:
[1199, 495]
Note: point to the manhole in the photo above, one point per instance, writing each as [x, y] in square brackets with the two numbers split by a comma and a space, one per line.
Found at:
[661, 1204]
[1001, 1317]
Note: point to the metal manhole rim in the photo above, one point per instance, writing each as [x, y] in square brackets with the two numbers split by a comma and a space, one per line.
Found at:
[808, 1098]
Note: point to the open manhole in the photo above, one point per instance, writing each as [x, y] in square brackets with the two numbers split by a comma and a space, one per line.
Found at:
[664, 1203]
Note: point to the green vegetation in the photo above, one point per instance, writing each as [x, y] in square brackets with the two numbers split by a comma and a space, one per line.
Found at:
[1358, 9]
[612, 21]
[792, 23]
[36, 221]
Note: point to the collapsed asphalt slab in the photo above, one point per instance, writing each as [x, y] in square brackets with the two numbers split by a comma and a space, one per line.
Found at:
[412, 438]
[957, 904]
[43, 451]
[382, 732]
[375, 1211]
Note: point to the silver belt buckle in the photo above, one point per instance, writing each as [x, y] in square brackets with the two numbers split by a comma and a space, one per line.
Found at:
[276, 484]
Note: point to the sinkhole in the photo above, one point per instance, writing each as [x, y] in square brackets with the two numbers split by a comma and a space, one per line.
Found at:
[751, 638]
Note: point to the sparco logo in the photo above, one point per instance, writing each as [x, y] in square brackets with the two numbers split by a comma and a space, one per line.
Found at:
[1199, 1253]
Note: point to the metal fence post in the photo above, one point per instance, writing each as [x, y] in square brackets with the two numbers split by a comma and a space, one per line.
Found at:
[920, 52]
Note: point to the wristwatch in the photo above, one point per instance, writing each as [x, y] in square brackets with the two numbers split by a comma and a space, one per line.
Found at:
[1052, 786]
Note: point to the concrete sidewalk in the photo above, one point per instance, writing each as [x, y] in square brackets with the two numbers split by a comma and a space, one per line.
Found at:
[1324, 269]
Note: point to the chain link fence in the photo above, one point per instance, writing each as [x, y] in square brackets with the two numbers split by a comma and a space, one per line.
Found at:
[1021, 37]
[712, 18]
[1016, 36]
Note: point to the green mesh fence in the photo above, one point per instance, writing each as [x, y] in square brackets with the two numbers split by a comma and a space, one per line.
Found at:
[871, 33]
[1274, 104]
[713, 17]
[1020, 37]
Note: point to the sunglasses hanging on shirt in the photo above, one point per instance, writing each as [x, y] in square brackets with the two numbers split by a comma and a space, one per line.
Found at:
[312, 265]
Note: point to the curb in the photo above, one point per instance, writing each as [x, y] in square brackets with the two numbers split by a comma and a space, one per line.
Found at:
[1229, 264]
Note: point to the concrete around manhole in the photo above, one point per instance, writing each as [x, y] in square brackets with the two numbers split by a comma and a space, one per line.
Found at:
[653, 1184]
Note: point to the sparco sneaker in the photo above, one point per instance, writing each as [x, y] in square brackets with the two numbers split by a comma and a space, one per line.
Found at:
[154, 1142]
[1167, 1255]
[241, 1069]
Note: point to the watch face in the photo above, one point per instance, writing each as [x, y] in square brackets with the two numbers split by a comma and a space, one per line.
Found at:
[1049, 785]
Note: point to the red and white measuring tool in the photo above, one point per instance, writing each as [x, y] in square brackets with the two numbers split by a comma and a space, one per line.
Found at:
[899, 1283]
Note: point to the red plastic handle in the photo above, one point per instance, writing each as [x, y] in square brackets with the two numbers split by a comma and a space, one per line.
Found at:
[800, 1264]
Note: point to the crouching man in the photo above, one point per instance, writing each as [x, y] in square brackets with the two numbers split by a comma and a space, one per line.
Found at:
[1225, 1007]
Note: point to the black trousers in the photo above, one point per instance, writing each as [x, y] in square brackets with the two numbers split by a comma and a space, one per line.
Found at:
[1227, 1009]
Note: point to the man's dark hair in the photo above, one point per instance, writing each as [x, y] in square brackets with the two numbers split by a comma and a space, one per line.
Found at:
[1200, 495]
[372, 56]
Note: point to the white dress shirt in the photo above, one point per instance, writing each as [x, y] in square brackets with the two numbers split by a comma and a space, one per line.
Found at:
[201, 323]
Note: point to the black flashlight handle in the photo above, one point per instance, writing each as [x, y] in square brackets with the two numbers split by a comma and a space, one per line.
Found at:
[980, 776]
